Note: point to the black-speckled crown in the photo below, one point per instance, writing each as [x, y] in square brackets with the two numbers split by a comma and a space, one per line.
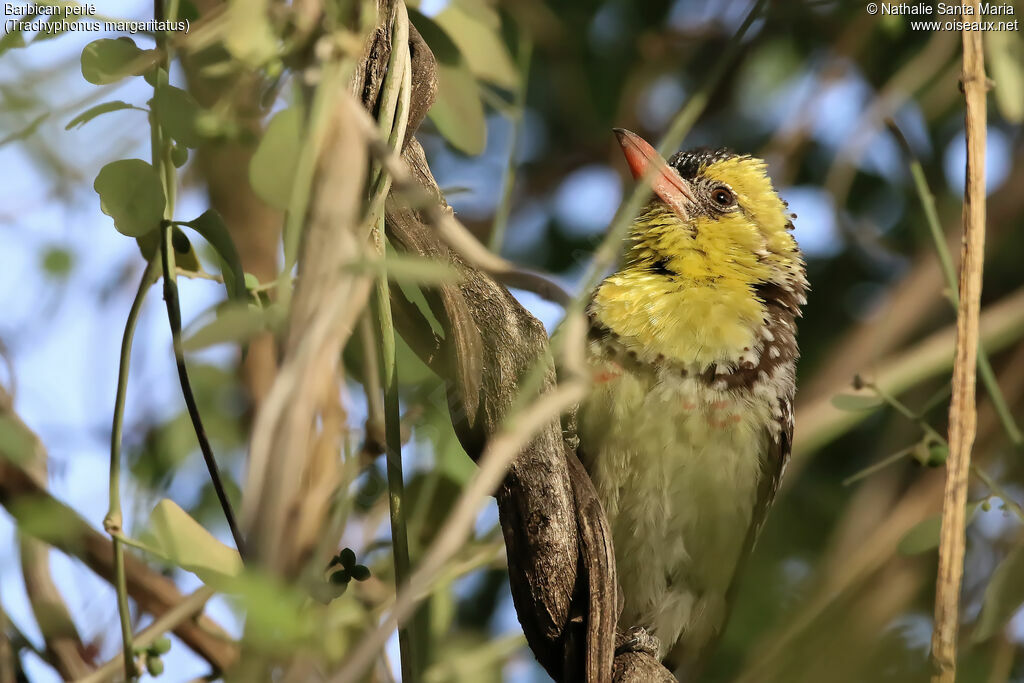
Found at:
[689, 161]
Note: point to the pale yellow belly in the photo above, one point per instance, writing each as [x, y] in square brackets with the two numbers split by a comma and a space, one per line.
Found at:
[676, 465]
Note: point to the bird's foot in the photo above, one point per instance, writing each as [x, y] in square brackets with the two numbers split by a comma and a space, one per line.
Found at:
[637, 639]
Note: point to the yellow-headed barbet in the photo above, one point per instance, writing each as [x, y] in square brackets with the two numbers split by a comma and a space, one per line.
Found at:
[688, 428]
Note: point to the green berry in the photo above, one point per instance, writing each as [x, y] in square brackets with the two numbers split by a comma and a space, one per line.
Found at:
[160, 646]
[347, 557]
[937, 455]
[154, 665]
[360, 572]
[179, 155]
[340, 577]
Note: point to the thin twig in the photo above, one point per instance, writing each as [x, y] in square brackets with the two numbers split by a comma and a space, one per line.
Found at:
[188, 608]
[372, 385]
[152, 592]
[160, 144]
[495, 461]
[393, 118]
[924, 193]
[501, 215]
[114, 521]
[453, 232]
[174, 318]
[962, 411]
[409, 639]
[1002, 324]
[904, 410]
[880, 465]
[198, 275]
[997, 490]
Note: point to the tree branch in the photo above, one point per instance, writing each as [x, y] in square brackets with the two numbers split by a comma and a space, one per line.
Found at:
[23, 495]
[560, 562]
[962, 409]
[63, 643]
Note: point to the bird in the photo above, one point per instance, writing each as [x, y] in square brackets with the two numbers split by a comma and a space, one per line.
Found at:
[688, 425]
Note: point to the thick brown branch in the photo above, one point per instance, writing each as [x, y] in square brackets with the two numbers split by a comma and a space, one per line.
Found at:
[23, 496]
[255, 227]
[561, 564]
[294, 469]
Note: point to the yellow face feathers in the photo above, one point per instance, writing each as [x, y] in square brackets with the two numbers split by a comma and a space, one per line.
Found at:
[748, 179]
[747, 239]
[689, 287]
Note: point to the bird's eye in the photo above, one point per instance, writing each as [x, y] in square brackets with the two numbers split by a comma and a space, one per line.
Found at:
[723, 197]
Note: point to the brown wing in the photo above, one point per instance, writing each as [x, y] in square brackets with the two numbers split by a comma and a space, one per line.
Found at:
[775, 463]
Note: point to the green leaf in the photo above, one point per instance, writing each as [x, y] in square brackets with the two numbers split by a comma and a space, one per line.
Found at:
[430, 496]
[444, 48]
[182, 541]
[277, 618]
[477, 33]
[57, 261]
[1003, 596]
[11, 40]
[235, 322]
[188, 10]
[17, 444]
[177, 112]
[211, 226]
[416, 297]
[185, 256]
[131, 193]
[458, 112]
[1005, 52]
[273, 165]
[186, 260]
[249, 36]
[92, 112]
[924, 536]
[25, 132]
[853, 403]
[57, 25]
[110, 59]
[410, 269]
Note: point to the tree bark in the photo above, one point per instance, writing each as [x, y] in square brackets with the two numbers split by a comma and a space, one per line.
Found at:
[561, 564]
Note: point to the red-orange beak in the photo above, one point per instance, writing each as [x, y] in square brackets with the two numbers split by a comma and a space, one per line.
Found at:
[667, 184]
